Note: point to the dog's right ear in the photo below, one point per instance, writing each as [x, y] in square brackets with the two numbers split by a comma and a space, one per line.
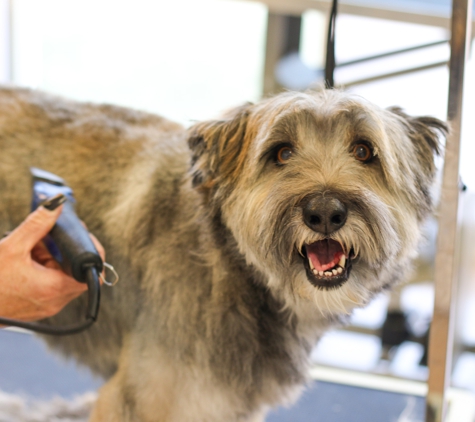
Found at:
[219, 147]
[424, 133]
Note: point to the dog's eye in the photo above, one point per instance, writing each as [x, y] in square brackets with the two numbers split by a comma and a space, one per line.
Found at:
[284, 154]
[363, 152]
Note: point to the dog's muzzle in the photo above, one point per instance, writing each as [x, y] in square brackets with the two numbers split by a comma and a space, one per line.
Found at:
[326, 262]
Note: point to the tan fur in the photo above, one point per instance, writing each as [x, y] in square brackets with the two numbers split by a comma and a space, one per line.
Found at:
[215, 315]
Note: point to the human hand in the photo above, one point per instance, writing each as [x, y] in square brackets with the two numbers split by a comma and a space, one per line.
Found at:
[32, 284]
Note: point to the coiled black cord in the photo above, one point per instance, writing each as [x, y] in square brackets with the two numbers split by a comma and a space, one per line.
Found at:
[93, 292]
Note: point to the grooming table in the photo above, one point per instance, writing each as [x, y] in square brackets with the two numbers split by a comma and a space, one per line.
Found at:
[28, 368]
[338, 395]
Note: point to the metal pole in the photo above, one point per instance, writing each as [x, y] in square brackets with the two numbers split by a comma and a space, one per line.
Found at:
[442, 328]
[275, 46]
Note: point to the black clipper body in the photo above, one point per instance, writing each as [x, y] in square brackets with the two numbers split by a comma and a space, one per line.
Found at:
[68, 242]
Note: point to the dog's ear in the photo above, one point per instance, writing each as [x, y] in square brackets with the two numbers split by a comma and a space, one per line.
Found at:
[219, 147]
[425, 133]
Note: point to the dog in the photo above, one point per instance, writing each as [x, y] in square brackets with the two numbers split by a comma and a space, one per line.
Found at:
[239, 241]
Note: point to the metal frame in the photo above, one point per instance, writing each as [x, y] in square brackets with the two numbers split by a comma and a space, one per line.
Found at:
[442, 328]
[284, 31]
[423, 14]
[384, 10]
[399, 72]
[278, 36]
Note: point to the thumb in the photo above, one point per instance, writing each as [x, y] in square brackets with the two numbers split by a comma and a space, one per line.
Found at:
[37, 224]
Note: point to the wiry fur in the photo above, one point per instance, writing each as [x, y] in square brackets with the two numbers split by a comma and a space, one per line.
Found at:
[17, 408]
[214, 317]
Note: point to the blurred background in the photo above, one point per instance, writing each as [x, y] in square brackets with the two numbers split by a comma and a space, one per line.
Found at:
[188, 60]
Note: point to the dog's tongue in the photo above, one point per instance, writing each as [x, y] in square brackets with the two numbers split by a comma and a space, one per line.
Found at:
[324, 254]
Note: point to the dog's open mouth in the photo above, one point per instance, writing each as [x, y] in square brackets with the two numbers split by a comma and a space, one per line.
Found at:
[326, 263]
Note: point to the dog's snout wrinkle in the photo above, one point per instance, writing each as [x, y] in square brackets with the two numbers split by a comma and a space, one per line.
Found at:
[325, 214]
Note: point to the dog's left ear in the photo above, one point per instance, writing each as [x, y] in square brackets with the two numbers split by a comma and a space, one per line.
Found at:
[424, 132]
[219, 147]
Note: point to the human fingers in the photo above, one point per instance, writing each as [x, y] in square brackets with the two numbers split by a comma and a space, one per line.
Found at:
[36, 225]
[42, 255]
[54, 282]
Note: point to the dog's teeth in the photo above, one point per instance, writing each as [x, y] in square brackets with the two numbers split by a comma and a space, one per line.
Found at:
[339, 270]
[310, 263]
[320, 273]
[334, 272]
[342, 262]
[328, 273]
[315, 271]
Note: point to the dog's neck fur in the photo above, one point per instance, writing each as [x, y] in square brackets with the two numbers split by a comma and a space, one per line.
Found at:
[270, 341]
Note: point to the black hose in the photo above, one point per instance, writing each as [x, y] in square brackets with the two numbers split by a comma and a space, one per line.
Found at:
[330, 54]
[94, 295]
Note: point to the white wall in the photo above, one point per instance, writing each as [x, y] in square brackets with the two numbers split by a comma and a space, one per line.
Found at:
[5, 42]
[184, 59]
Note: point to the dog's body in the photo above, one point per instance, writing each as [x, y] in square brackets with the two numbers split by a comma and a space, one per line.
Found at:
[295, 211]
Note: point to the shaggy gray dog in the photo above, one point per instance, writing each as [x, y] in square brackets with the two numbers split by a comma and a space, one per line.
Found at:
[239, 241]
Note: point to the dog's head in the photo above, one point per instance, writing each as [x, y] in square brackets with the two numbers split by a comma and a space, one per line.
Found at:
[324, 193]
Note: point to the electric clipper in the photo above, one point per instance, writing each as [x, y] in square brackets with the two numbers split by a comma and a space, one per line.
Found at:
[69, 243]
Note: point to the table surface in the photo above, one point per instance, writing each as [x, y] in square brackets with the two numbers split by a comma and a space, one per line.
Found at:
[28, 368]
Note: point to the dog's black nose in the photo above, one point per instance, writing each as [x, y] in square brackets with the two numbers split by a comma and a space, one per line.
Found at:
[324, 214]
